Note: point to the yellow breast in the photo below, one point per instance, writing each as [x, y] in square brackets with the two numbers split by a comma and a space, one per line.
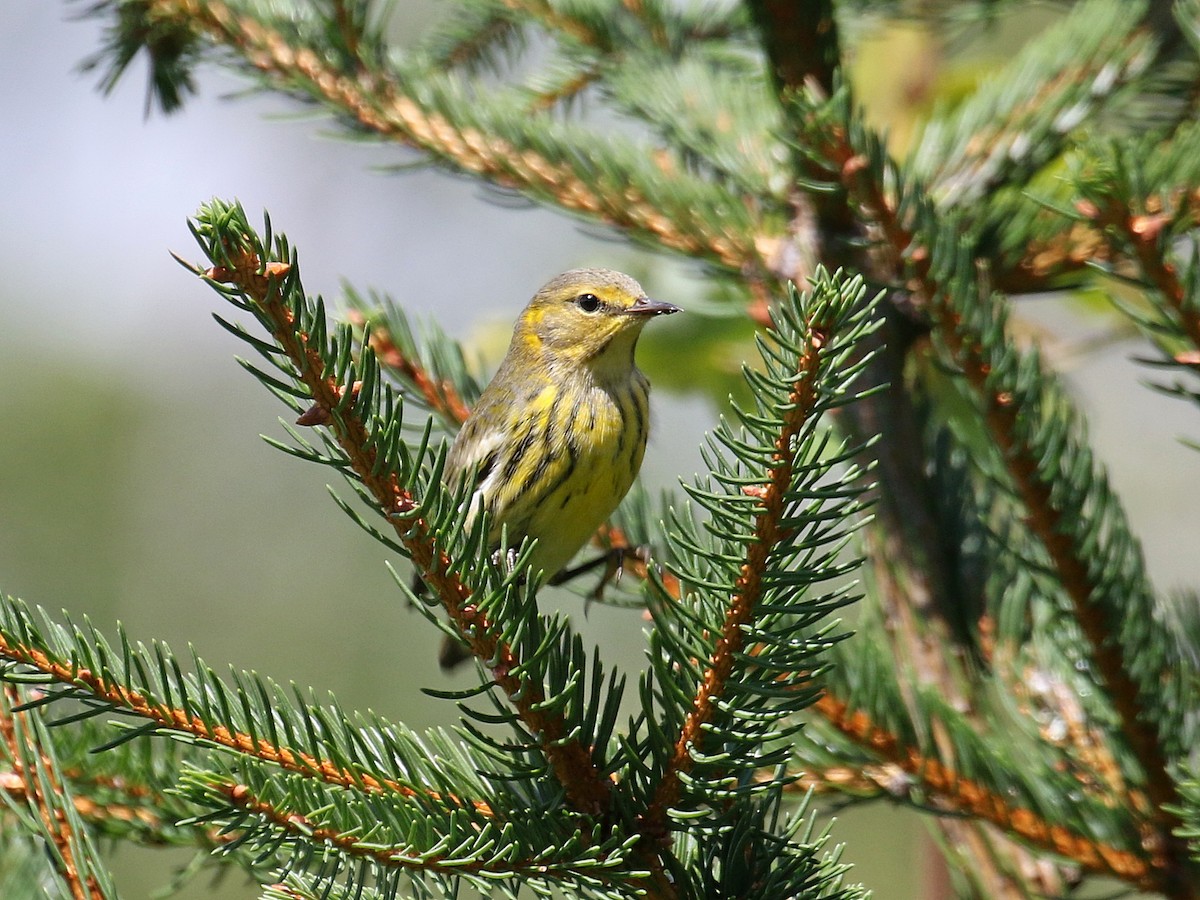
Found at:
[580, 452]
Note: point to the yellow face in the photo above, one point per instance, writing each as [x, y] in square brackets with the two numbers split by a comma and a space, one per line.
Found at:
[584, 313]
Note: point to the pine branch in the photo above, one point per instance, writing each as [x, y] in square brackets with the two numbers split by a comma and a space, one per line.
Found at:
[768, 532]
[1008, 392]
[534, 156]
[241, 260]
[743, 673]
[957, 795]
[477, 853]
[26, 747]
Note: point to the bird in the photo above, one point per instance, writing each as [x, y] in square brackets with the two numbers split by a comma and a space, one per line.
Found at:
[557, 437]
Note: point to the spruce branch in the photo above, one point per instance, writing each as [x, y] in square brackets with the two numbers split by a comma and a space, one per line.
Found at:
[86, 683]
[121, 793]
[1057, 255]
[912, 564]
[662, 205]
[1141, 197]
[743, 676]
[474, 38]
[475, 850]
[139, 816]
[769, 531]
[897, 768]
[270, 287]
[950, 792]
[1040, 566]
[26, 748]
[1022, 118]
[376, 784]
[443, 385]
[972, 332]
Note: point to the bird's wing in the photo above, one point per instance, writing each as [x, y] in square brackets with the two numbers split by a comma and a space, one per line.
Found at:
[474, 453]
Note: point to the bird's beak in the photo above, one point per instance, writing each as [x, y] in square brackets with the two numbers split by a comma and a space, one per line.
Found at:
[644, 306]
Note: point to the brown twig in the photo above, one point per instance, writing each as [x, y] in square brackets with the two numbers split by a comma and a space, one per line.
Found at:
[748, 589]
[381, 106]
[1042, 516]
[572, 87]
[181, 720]
[439, 395]
[956, 794]
[18, 745]
[397, 857]
[13, 783]
[1142, 232]
[556, 21]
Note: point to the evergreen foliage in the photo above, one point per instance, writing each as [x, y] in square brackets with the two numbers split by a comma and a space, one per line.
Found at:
[1014, 672]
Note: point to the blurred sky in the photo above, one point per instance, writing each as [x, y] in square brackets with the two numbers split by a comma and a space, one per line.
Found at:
[133, 485]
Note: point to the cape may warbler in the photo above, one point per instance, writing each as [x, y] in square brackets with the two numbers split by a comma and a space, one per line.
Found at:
[557, 437]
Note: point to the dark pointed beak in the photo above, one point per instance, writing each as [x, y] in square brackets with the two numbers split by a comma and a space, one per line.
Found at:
[644, 306]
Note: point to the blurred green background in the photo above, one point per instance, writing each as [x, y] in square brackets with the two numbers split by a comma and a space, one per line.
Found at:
[133, 484]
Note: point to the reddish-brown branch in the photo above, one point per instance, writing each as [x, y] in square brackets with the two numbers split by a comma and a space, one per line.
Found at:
[180, 720]
[1045, 262]
[747, 591]
[955, 794]
[572, 87]
[556, 21]
[397, 857]
[1041, 515]
[586, 788]
[380, 106]
[53, 820]
[149, 824]
[1142, 232]
[440, 396]
[13, 783]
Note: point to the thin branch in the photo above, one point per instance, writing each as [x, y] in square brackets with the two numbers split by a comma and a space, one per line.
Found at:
[12, 782]
[176, 719]
[1142, 232]
[304, 830]
[555, 21]
[20, 744]
[956, 794]
[381, 106]
[1042, 516]
[572, 87]
[748, 589]
[439, 395]
[1044, 263]
[471, 47]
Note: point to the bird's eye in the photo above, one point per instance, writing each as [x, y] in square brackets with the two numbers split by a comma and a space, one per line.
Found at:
[589, 303]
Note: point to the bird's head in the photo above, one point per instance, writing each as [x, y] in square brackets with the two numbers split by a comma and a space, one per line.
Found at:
[587, 316]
